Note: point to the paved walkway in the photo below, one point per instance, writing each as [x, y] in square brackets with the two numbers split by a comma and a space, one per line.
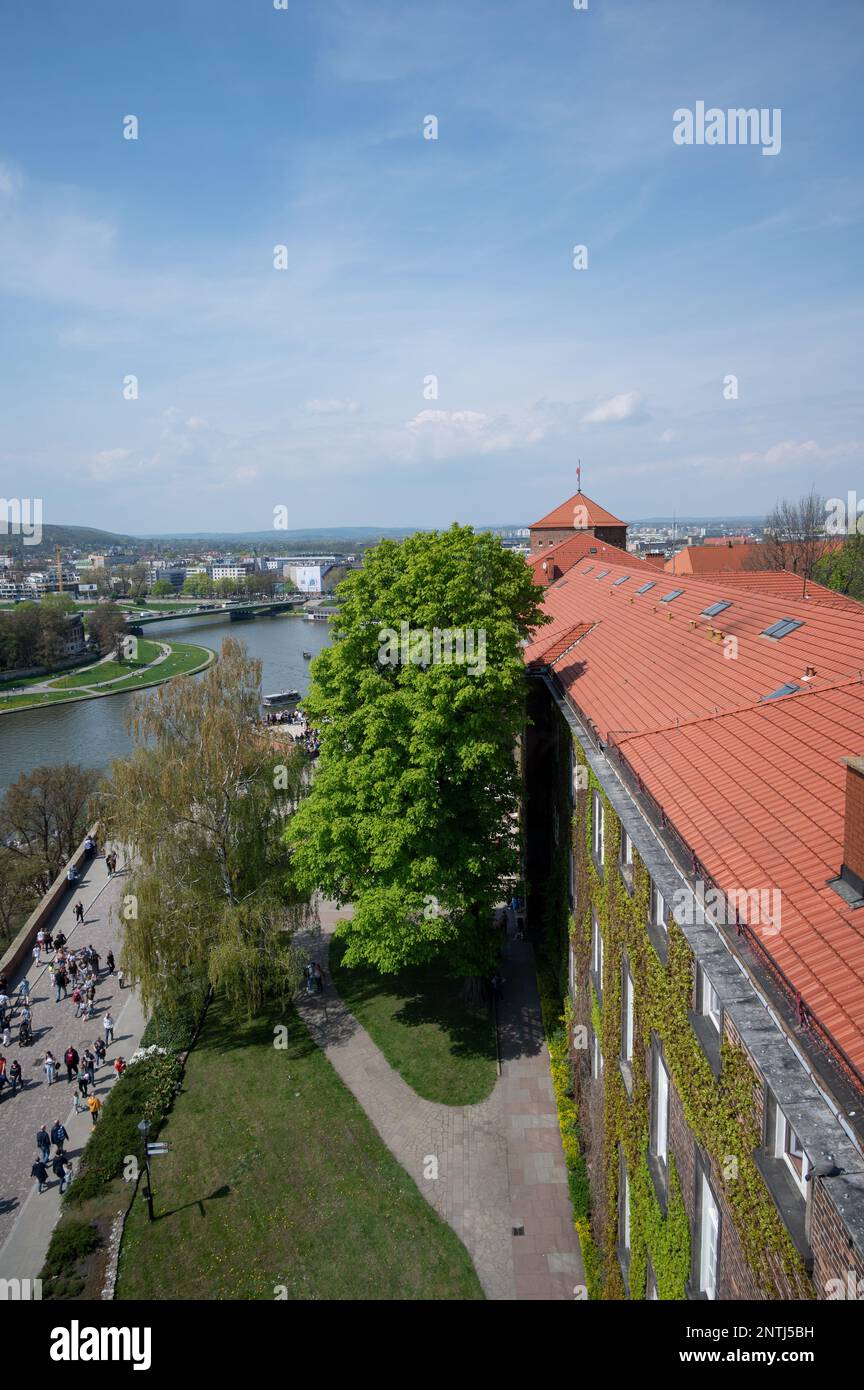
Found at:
[500, 1164]
[27, 1217]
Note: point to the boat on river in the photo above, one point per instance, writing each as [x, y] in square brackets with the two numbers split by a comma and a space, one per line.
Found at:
[281, 697]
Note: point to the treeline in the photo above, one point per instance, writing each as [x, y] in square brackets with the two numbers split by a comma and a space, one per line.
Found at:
[33, 634]
[201, 586]
[44, 816]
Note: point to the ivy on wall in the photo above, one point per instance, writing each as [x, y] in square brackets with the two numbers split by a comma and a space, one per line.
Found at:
[720, 1111]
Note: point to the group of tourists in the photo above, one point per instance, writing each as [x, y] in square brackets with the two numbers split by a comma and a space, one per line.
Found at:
[61, 1166]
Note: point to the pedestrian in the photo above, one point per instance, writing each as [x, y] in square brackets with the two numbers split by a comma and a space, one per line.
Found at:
[60, 940]
[67, 1174]
[108, 1025]
[43, 1143]
[79, 914]
[119, 1065]
[311, 980]
[40, 1173]
[15, 1077]
[94, 1105]
[89, 1060]
[319, 978]
[37, 953]
[100, 1050]
[78, 1001]
[60, 981]
[94, 961]
[110, 967]
[24, 990]
[70, 1057]
[83, 1082]
[7, 1034]
[50, 1066]
[73, 969]
[59, 1135]
[119, 979]
[58, 1168]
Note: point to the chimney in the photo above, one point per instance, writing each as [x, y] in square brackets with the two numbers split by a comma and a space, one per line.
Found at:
[853, 827]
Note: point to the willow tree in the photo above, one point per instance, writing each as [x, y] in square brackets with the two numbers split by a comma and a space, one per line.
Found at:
[200, 808]
[412, 814]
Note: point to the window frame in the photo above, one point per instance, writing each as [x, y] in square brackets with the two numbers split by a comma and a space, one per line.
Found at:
[708, 1239]
[598, 831]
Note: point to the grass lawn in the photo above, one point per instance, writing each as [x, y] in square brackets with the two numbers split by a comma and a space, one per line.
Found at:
[110, 670]
[277, 1180]
[444, 1050]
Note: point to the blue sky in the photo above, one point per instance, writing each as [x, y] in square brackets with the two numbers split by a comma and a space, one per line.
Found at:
[409, 258]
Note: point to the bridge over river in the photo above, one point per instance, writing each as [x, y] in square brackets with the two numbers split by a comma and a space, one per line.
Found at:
[237, 612]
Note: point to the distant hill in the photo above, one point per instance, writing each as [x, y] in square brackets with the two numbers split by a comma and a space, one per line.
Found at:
[68, 538]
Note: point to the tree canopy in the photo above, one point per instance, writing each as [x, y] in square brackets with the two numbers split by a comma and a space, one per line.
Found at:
[412, 814]
[200, 806]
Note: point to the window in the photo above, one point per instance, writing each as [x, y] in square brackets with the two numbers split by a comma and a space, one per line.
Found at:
[597, 955]
[623, 1209]
[625, 861]
[782, 628]
[645, 587]
[588, 569]
[571, 970]
[787, 1146]
[596, 1058]
[598, 829]
[709, 1239]
[673, 593]
[651, 1284]
[616, 583]
[660, 1109]
[626, 1016]
[714, 608]
[708, 1004]
[601, 574]
[658, 909]
[571, 877]
[781, 691]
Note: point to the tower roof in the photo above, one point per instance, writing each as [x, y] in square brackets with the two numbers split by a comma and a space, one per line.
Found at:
[566, 516]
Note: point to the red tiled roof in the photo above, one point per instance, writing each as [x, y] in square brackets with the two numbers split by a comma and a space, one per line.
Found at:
[550, 564]
[560, 645]
[590, 514]
[699, 559]
[754, 786]
[782, 584]
[759, 795]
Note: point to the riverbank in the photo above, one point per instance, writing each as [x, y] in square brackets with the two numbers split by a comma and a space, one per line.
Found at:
[162, 661]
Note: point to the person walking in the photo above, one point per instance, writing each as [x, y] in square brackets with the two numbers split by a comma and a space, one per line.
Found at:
[108, 1025]
[37, 953]
[43, 1144]
[100, 1049]
[119, 1065]
[78, 1001]
[7, 1034]
[83, 1082]
[15, 1077]
[94, 1105]
[59, 1135]
[67, 1174]
[71, 1059]
[109, 963]
[50, 1067]
[61, 979]
[24, 990]
[119, 979]
[89, 1061]
[58, 1168]
[79, 914]
[40, 1173]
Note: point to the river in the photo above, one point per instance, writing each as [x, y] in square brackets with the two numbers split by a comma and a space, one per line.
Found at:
[93, 732]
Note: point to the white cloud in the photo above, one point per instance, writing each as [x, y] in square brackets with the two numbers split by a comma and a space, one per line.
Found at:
[10, 181]
[668, 437]
[627, 406]
[332, 407]
[450, 433]
[791, 452]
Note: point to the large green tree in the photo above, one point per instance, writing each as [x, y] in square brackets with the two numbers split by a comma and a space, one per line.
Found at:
[843, 569]
[44, 815]
[413, 810]
[200, 806]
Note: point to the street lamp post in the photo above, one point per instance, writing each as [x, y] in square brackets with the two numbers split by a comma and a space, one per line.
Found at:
[144, 1130]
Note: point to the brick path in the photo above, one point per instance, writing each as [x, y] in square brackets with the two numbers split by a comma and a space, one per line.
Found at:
[55, 1026]
[500, 1164]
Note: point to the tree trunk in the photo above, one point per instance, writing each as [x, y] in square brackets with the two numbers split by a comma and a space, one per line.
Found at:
[475, 991]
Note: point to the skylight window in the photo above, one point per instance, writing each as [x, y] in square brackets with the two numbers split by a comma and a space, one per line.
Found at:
[588, 569]
[673, 593]
[645, 587]
[782, 628]
[601, 574]
[715, 608]
[780, 691]
[622, 580]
